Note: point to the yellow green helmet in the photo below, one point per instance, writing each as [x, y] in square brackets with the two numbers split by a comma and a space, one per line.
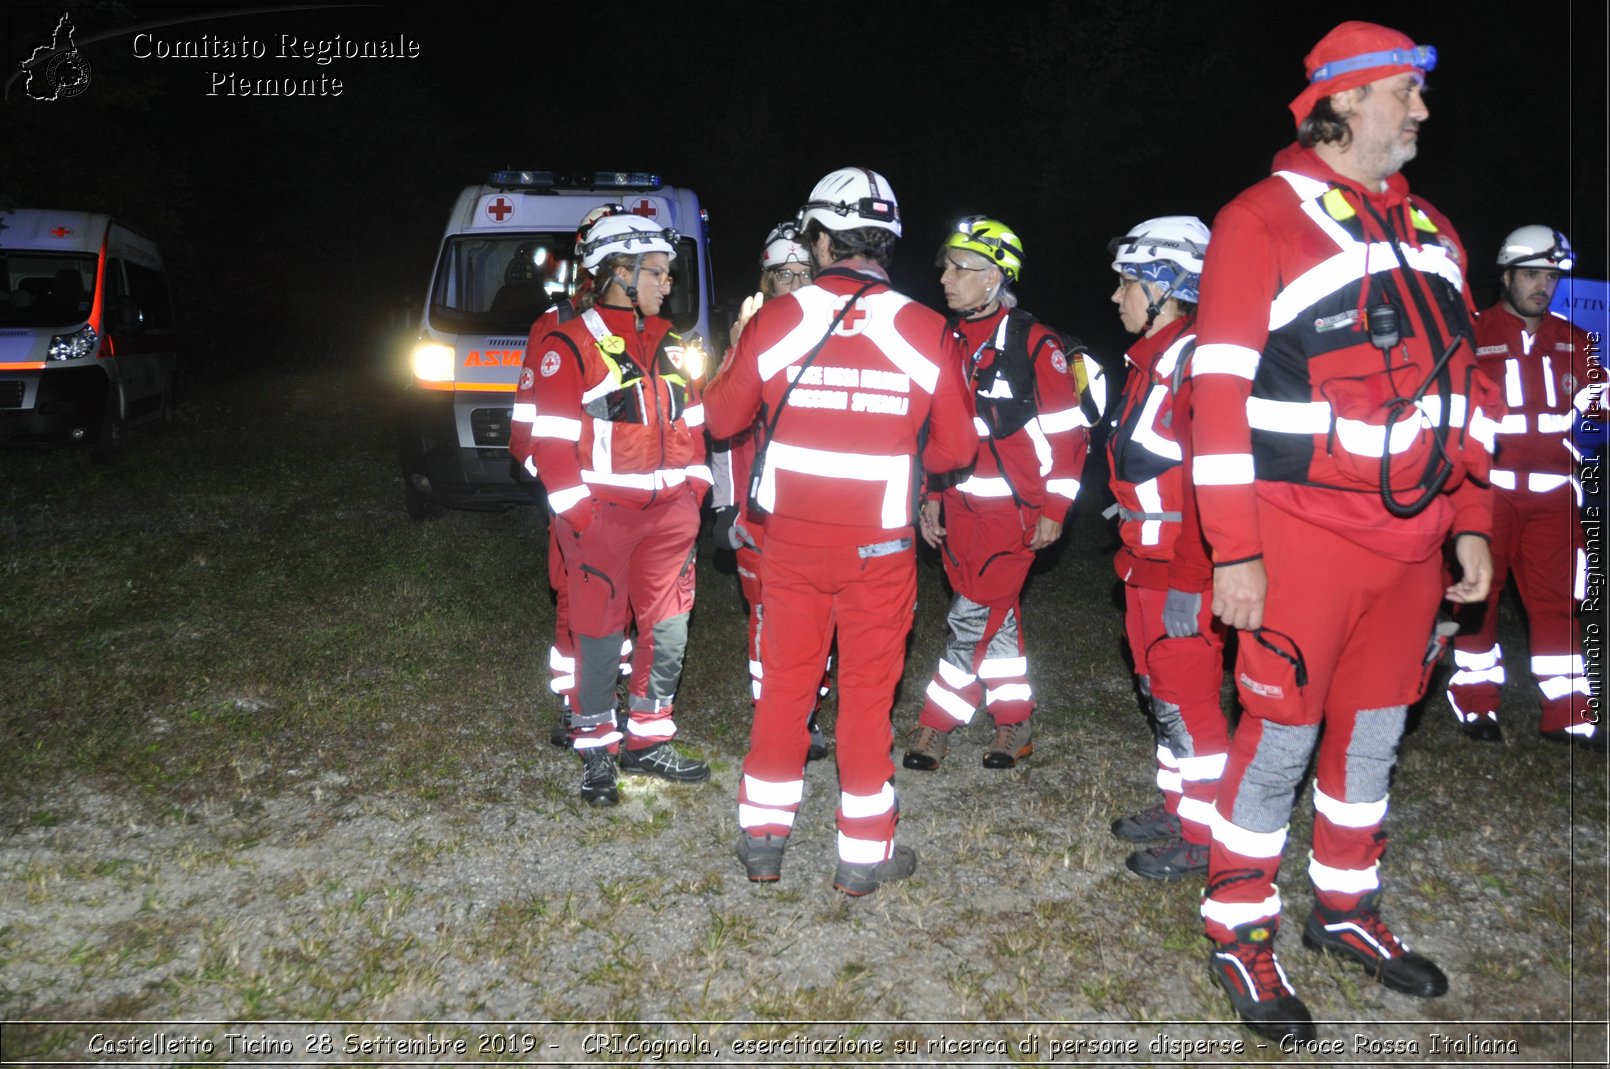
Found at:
[991, 239]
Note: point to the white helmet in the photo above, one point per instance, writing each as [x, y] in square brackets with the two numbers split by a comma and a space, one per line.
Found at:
[783, 247]
[851, 198]
[1168, 249]
[1536, 246]
[592, 217]
[629, 234]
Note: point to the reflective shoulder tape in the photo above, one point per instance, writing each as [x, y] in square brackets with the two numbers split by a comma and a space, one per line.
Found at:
[880, 330]
[816, 307]
[595, 324]
[1305, 187]
[1224, 359]
[1170, 360]
[1223, 469]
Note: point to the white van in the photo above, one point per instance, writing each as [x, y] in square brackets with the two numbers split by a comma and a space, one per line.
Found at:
[508, 254]
[87, 343]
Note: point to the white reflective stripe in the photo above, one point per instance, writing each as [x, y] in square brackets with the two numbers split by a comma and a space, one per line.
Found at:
[1540, 483]
[1431, 407]
[862, 851]
[559, 662]
[894, 472]
[816, 306]
[1514, 395]
[980, 427]
[1528, 339]
[1222, 469]
[1203, 769]
[1349, 814]
[657, 480]
[699, 471]
[1220, 358]
[867, 805]
[562, 501]
[1555, 688]
[663, 728]
[768, 793]
[955, 677]
[607, 739]
[562, 684]
[881, 311]
[1169, 781]
[1566, 664]
[1150, 496]
[1470, 677]
[1514, 423]
[1068, 488]
[756, 670]
[1579, 585]
[979, 486]
[1484, 429]
[1003, 667]
[1368, 439]
[1096, 380]
[1581, 729]
[693, 415]
[605, 386]
[1165, 758]
[1349, 265]
[523, 412]
[595, 324]
[1343, 881]
[1195, 811]
[1587, 396]
[1479, 660]
[1238, 840]
[1288, 417]
[1042, 447]
[754, 816]
[559, 427]
[1305, 187]
[531, 466]
[1236, 914]
[1069, 419]
[1146, 434]
[1499, 477]
[1172, 355]
[1556, 422]
[954, 705]
[1012, 692]
[1550, 400]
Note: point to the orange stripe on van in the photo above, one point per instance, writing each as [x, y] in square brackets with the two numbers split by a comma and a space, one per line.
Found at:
[462, 387]
[36, 365]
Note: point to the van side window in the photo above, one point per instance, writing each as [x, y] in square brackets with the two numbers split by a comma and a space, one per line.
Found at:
[149, 289]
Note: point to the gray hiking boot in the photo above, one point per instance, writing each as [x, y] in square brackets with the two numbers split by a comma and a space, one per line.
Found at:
[1150, 825]
[663, 761]
[1170, 861]
[1012, 742]
[762, 856]
[858, 880]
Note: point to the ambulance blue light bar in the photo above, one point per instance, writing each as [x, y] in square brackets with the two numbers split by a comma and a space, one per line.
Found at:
[636, 180]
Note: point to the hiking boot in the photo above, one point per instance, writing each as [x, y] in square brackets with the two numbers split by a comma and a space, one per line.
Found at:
[598, 783]
[559, 734]
[1170, 861]
[858, 880]
[927, 749]
[762, 856]
[821, 745]
[1151, 825]
[1259, 992]
[1365, 938]
[1483, 727]
[663, 761]
[1011, 743]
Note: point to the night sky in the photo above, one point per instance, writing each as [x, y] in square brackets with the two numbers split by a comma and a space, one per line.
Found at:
[288, 218]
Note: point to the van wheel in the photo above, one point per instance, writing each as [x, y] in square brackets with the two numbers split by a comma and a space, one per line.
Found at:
[419, 506]
[114, 436]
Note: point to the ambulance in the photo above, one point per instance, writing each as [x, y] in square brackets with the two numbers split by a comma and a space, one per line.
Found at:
[87, 341]
[507, 255]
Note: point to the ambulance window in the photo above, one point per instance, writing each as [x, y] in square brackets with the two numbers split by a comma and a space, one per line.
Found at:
[45, 289]
[683, 307]
[149, 291]
[503, 283]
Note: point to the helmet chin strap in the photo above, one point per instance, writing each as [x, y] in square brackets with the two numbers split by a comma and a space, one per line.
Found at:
[1155, 306]
[987, 306]
[631, 291]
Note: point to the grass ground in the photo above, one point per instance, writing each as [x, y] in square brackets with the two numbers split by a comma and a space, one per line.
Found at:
[274, 752]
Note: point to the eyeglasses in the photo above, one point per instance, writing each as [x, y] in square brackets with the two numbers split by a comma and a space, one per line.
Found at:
[784, 276]
[947, 264]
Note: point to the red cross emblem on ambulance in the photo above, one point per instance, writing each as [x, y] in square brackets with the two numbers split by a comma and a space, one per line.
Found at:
[499, 208]
[645, 208]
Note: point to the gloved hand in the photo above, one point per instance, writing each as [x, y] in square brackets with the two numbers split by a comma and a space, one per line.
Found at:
[1180, 610]
[729, 533]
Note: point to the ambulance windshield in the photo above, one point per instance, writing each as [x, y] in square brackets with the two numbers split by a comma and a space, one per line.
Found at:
[42, 289]
[500, 285]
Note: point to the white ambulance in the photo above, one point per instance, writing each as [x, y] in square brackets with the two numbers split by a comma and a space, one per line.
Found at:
[87, 343]
[508, 254]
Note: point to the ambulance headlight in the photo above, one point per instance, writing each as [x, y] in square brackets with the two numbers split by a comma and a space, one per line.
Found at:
[694, 359]
[80, 343]
[433, 362]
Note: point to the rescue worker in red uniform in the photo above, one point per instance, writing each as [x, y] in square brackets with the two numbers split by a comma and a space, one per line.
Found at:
[852, 376]
[618, 440]
[1035, 399]
[785, 266]
[1177, 646]
[1539, 361]
[562, 653]
[1340, 434]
